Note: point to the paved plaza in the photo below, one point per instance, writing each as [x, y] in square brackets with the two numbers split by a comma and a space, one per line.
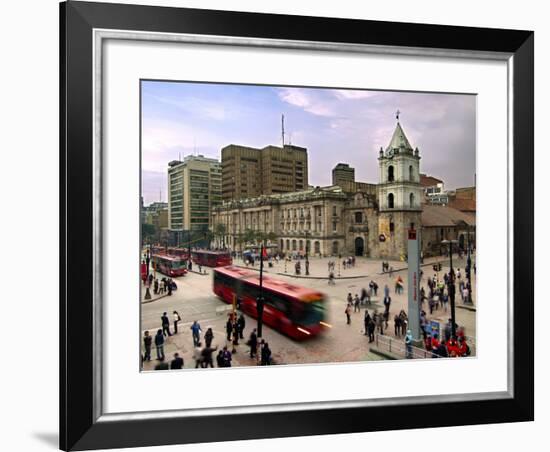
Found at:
[195, 300]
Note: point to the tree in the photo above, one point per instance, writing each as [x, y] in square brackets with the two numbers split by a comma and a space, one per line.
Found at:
[148, 232]
[220, 231]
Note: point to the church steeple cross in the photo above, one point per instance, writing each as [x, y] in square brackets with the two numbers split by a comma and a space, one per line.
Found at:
[397, 113]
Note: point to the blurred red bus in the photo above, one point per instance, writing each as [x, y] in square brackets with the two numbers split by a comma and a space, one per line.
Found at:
[211, 258]
[295, 311]
[180, 252]
[169, 265]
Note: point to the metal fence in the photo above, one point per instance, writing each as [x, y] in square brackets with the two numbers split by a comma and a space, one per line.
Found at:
[397, 348]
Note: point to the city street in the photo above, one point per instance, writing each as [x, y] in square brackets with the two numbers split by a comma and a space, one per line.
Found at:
[194, 300]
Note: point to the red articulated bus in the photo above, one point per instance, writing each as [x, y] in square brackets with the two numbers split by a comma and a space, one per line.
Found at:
[179, 252]
[169, 265]
[211, 258]
[295, 311]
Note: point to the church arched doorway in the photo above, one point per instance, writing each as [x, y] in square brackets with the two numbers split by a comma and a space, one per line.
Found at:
[461, 242]
[359, 246]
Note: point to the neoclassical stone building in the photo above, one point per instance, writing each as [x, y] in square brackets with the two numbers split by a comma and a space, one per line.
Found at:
[356, 219]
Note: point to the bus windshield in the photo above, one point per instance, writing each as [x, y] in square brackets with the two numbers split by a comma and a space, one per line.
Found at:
[308, 313]
[177, 264]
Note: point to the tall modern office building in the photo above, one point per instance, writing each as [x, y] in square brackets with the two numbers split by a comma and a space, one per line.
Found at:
[342, 172]
[194, 189]
[249, 172]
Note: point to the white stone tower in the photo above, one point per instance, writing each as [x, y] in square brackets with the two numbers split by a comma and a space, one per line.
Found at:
[399, 194]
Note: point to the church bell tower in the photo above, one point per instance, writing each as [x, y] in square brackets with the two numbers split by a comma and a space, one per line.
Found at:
[399, 194]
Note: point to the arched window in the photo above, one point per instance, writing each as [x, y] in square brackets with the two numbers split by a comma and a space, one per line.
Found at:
[390, 173]
[411, 200]
[294, 245]
[301, 245]
[359, 217]
[282, 244]
[411, 173]
[317, 247]
[287, 244]
[390, 201]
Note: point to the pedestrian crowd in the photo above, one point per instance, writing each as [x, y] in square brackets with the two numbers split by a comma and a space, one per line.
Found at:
[204, 355]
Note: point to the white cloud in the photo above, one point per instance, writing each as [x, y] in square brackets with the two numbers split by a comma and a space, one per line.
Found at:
[352, 94]
[302, 99]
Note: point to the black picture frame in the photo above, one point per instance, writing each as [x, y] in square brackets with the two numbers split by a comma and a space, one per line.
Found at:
[80, 428]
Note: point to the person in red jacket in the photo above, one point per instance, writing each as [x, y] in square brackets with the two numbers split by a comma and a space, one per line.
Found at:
[452, 347]
[463, 349]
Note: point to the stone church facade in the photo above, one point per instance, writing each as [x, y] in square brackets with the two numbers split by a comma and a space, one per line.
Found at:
[332, 221]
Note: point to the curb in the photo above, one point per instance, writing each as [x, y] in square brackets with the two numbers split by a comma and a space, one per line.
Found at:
[153, 299]
[383, 354]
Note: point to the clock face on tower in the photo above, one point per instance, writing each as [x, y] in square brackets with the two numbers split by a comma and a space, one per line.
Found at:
[390, 153]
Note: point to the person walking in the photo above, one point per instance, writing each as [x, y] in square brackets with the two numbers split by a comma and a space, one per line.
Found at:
[348, 312]
[165, 325]
[266, 355]
[177, 319]
[408, 344]
[356, 302]
[226, 357]
[147, 342]
[228, 328]
[197, 355]
[241, 324]
[331, 279]
[206, 356]
[366, 321]
[177, 362]
[253, 343]
[196, 331]
[208, 336]
[159, 344]
[370, 330]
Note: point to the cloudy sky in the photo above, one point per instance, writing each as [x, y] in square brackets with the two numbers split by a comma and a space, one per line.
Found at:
[348, 126]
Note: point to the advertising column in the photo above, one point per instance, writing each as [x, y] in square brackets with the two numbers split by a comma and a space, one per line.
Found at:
[414, 285]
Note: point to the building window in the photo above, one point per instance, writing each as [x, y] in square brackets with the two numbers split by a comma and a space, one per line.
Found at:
[287, 244]
[317, 247]
[411, 173]
[334, 226]
[333, 211]
[335, 248]
[390, 174]
[390, 201]
[301, 245]
[392, 227]
[294, 245]
[358, 217]
[282, 244]
[411, 200]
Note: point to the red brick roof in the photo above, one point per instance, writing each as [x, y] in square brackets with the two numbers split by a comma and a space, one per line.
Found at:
[429, 181]
[464, 205]
[444, 216]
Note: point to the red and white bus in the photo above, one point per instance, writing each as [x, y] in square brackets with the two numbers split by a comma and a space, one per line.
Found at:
[295, 311]
[169, 265]
[211, 258]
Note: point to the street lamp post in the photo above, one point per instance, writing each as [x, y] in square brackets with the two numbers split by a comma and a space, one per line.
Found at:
[260, 299]
[469, 270]
[451, 286]
[307, 255]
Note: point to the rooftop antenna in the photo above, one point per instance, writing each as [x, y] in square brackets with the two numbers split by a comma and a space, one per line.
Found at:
[283, 129]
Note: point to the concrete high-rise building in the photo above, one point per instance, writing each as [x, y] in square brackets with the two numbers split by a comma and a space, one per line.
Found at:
[342, 173]
[194, 189]
[249, 172]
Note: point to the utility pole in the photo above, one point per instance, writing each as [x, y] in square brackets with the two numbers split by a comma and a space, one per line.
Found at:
[260, 299]
[469, 270]
[451, 286]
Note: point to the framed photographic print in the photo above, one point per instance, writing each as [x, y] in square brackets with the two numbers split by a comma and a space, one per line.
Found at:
[290, 225]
